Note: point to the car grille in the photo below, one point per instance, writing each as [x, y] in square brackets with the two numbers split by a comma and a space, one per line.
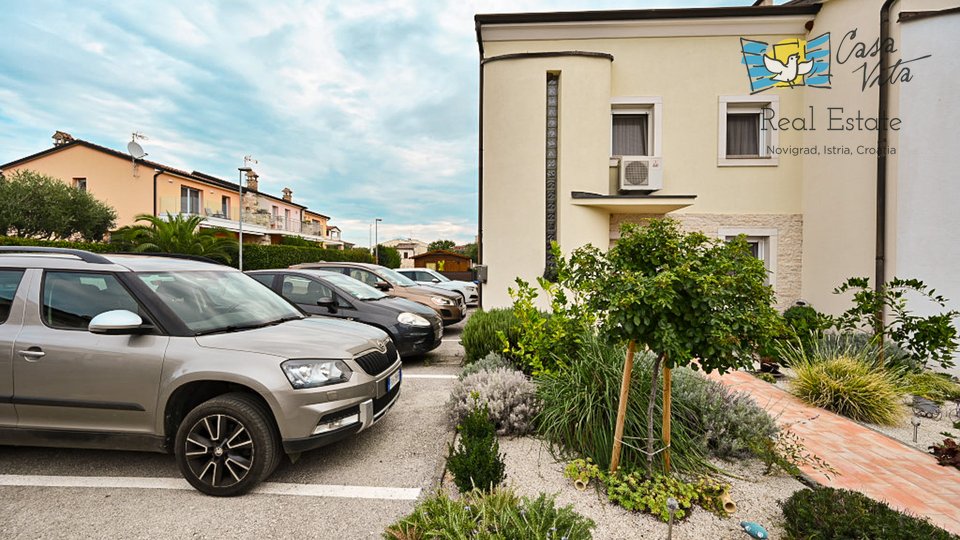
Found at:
[375, 362]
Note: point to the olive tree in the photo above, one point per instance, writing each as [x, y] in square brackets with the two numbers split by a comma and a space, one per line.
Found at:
[34, 205]
[690, 299]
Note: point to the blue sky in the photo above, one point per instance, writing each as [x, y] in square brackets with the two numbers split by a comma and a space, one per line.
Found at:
[363, 108]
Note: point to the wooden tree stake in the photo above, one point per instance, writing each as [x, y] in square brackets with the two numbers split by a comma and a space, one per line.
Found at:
[666, 418]
[622, 409]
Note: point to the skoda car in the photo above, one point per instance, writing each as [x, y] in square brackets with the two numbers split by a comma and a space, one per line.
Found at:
[414, 328]
[172, 355]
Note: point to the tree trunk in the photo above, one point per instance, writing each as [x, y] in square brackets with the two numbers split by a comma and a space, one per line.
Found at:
[622, 409]
[654, 375]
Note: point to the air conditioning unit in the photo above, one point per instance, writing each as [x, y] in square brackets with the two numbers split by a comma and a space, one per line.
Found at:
[641, 173]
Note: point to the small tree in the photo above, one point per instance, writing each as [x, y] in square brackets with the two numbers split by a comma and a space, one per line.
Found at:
[437, 245]
[176, 234]
[470, 250]
[388, 256]
[684, 296]
[933, 337]
[33, 205]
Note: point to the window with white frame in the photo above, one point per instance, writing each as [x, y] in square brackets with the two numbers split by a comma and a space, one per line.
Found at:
[762, 244]
[745, 137]
[635, 126]
[189, 200]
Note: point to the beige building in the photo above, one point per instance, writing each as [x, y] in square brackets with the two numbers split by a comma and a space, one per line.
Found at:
[592, 119]
[408, 249]
[137, 186]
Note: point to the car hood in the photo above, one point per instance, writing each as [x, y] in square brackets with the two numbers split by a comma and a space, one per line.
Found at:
[313, 337]
[402, 304]
[431, 290]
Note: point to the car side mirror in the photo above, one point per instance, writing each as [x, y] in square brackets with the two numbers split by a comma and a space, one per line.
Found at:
[118, 322]
[435, 280]
[383, 286]
[328, 302]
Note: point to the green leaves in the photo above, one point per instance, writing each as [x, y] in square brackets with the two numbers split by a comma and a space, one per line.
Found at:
[34, 205]
[177, 234]
[680, 294]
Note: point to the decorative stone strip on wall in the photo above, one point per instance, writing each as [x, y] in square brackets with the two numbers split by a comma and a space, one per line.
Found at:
[789, 244]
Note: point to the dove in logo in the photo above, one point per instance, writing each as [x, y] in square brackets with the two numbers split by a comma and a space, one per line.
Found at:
[787, 72]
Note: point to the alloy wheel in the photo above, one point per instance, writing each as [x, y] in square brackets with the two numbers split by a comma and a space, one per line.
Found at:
[219, 450]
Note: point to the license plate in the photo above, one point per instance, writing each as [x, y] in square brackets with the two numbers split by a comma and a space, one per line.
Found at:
[440, 332]
[393, 380]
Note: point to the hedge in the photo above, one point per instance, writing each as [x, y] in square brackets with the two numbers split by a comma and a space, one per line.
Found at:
[255, 256]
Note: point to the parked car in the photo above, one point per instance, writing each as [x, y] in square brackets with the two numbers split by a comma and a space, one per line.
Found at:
[426, 276]
[171, 355]
[414, 328]
[449, 305]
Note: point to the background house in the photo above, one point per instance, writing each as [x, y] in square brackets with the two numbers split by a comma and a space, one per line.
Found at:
[444, 261]
[138, 186]
[408, 248]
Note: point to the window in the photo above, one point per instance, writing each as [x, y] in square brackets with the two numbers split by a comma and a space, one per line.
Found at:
[80, 183]
[72, 299]
[364, 276]
[635, 126]
[266, 279]
[9, 281]
[189, 200]
[744, 136]
[763, 245]
[301, 290]
[225, 206]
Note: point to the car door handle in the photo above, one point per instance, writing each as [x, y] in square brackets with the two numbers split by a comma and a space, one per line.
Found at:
[32, 354]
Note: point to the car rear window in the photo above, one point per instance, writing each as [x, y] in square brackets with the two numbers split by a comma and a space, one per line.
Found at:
[9, 281]
[72, 299]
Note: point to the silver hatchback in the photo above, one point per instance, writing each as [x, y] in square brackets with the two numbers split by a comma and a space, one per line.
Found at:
[172, 355]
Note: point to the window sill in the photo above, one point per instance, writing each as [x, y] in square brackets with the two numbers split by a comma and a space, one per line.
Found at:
[748, 162]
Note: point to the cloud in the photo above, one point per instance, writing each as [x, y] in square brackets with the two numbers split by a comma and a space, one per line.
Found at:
[365, 108]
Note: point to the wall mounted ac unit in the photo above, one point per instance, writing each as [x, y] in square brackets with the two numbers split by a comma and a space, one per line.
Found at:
[641, 173]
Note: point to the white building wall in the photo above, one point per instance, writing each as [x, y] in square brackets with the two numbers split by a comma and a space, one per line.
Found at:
[928, 232]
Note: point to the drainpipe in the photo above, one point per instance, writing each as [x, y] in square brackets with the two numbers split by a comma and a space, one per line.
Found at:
[480, 166]
[156, 173]
[882, 109]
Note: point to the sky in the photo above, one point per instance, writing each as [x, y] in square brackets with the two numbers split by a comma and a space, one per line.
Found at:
[364, 108]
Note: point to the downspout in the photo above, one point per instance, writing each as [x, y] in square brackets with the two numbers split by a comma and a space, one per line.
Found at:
[882, 109]
[156, 173]
[480, 165]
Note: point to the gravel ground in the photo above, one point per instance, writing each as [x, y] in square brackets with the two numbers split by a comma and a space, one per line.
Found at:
[531, 470]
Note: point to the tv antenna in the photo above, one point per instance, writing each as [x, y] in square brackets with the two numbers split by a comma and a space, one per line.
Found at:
[248, 160]
[136, 151]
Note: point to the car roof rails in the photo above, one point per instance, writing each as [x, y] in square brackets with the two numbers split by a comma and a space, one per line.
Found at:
[198, 258]
[85, 256]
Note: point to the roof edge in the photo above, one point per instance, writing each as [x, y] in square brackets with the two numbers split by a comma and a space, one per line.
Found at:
[643, 14]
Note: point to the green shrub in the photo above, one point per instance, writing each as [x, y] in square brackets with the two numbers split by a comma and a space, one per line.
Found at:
[766, 377]
[476, 463]
[491, 516]
[260, 257]
[580, 411]
[298, 241]
[731, 422]
[934, 386]
[509, 396]
[490, 362]
[838, 514]
[850, 386]
[807, 324]
[481, 334]
[96, 247]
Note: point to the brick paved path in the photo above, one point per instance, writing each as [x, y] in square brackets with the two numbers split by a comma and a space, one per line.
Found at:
[869, 462]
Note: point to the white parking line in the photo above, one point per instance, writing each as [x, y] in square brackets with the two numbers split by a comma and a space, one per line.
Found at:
[266, 488]
[427, 376]
[452, 340]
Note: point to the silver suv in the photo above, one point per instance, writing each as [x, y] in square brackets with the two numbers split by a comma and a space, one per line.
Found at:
[172, 355]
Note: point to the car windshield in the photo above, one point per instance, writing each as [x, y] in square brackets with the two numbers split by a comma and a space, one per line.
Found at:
[353, 287]
[213, 301]
[396, 278]
[441, 277]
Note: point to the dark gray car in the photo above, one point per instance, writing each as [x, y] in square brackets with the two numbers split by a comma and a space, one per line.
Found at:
[414, 328]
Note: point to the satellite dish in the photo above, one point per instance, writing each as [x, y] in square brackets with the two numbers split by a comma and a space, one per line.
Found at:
[135, 150]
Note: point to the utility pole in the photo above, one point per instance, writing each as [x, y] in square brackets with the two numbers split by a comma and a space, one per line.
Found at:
[376, 246]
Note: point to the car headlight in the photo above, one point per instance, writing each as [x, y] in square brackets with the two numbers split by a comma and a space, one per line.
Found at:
[441, 301]
[314, 373]
[412, 319]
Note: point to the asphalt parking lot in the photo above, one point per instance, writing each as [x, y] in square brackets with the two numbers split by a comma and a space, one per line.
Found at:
[351, 489]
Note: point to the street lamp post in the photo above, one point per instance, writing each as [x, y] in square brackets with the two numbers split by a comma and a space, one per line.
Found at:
[240, 190]
[376, 246]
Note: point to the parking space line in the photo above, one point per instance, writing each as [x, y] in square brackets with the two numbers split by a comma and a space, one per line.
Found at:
[427, 376]
[453, 340]
[266, 488]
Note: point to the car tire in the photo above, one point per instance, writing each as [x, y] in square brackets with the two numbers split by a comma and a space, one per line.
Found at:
[227, 445]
